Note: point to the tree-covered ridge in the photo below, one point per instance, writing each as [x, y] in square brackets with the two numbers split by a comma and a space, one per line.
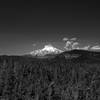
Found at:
[26, 78]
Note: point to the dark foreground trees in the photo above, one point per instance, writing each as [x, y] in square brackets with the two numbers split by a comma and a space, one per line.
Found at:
[58, 79]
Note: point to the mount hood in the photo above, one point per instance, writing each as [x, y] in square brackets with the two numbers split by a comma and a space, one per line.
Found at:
[48, 49]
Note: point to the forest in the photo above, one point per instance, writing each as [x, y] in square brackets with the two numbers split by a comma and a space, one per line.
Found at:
[57, 78]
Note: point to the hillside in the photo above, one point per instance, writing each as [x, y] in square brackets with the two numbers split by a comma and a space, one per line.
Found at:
[73, 75]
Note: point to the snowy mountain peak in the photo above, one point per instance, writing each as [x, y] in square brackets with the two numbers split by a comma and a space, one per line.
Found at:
[48, 49]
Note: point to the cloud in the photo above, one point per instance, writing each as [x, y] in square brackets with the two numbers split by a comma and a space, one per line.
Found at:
[97, 47]
[73, 39]
[68, 45]
[72, 43]
[65, 39]
[34, 45]
[84, 48]
[75, 45]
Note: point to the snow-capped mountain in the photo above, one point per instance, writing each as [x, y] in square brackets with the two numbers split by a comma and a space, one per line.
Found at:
[48, 49]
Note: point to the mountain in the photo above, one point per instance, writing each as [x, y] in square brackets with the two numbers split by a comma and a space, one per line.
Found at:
[47, 50]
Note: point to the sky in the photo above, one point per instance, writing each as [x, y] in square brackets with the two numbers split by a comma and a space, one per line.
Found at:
[29, 25]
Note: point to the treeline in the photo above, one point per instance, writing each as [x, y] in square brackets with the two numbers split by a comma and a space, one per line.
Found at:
[23, 78]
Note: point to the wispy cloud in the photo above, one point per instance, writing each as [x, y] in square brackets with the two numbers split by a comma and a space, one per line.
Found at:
[73, 39]
[97, 47]
[84, 48]
[34, 45]
[65, 39]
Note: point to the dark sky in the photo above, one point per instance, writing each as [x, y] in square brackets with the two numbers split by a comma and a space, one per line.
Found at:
[23, 23]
